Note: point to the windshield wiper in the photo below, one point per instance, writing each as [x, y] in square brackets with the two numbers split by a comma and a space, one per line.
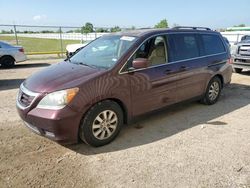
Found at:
[85, 64]
[67, 59]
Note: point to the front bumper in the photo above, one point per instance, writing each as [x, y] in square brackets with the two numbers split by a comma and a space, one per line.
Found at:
[20, 57]
[58, 125]
[241, 66]
[242, 62]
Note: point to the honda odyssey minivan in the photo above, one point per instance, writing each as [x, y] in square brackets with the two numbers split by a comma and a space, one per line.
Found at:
[120, 76]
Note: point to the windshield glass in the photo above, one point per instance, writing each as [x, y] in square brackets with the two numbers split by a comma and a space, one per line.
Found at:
[104, 52]
[246, 37]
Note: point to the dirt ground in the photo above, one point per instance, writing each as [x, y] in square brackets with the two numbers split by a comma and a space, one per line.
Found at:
[190, 145]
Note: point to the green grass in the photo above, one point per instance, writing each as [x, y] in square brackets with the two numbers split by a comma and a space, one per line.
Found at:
[38, 44]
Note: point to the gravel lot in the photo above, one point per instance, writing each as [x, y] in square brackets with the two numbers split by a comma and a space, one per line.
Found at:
[190, 145]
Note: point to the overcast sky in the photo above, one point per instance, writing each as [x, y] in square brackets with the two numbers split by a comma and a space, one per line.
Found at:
[126, 13]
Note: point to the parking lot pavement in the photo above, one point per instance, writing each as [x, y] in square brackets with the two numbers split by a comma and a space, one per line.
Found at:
[189, 145]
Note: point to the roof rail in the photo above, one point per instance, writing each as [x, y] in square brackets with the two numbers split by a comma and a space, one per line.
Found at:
[144, 28]
[190, 27]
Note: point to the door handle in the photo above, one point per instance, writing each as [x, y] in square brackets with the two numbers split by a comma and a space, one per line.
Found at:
[183, 68]
[168, 71]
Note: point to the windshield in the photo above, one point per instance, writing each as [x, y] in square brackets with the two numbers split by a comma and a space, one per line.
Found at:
[104, 52]
[246, 37]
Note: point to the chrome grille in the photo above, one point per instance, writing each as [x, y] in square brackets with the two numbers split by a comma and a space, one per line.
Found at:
[25, 97]
[244, 50]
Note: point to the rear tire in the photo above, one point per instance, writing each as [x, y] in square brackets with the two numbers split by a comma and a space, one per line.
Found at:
[213, 91]
[7, 62]
[101, 124]
[237, 70]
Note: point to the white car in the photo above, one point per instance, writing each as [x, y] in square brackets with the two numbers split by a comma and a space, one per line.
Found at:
[72, 48]
[10, 54]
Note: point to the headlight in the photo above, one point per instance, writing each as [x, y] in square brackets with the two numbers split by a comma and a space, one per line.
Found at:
[58, 100]
[234, 49]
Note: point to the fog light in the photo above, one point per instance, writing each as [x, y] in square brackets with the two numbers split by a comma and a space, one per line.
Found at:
[49, 134]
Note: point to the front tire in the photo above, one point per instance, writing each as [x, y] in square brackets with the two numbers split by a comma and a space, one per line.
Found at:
[213, 91]
[101, 124]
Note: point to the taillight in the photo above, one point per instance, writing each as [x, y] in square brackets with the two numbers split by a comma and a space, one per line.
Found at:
[21, 50]
[230, 61]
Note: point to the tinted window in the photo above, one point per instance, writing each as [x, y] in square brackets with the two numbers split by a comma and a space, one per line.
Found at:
[183, 46]
[246, 37]
[212, 44]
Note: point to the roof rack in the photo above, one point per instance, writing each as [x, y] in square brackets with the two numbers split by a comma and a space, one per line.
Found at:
[189, 27]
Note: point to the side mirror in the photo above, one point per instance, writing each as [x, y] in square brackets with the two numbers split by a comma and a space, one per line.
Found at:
[140, 63]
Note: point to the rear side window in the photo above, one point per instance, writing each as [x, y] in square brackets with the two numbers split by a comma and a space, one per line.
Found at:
[212, 44]
[183, 46]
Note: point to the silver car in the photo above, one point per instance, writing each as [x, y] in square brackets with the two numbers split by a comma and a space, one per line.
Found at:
[10, 54]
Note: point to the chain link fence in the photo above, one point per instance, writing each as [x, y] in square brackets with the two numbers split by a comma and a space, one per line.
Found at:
[37, 40]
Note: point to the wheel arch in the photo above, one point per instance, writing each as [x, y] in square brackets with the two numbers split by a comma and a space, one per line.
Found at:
[116, 100]
[221, 79]
[10, 56]
[123, 107]
[216, 75]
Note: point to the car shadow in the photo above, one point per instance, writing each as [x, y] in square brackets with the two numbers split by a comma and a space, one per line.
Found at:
[10, 84]
[172, 121]
[29, 65]
[247, 73]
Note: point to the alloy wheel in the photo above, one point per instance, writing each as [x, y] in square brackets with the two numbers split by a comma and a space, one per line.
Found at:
[105, 124]
[213, 91]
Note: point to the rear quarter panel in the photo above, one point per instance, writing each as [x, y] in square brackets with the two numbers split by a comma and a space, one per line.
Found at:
[13, 52]
[218, 65]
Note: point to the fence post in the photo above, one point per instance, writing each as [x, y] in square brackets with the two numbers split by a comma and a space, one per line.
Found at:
[95, 34]
[237, 37]
[15, 34]
[60, 29]
[82, 35]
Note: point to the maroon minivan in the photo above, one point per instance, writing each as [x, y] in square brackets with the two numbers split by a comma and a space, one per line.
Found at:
[120, 76]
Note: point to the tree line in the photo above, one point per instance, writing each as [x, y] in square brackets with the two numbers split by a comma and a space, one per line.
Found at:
[89, 28]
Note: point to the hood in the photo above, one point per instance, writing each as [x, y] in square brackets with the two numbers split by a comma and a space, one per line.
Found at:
[60, 76]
